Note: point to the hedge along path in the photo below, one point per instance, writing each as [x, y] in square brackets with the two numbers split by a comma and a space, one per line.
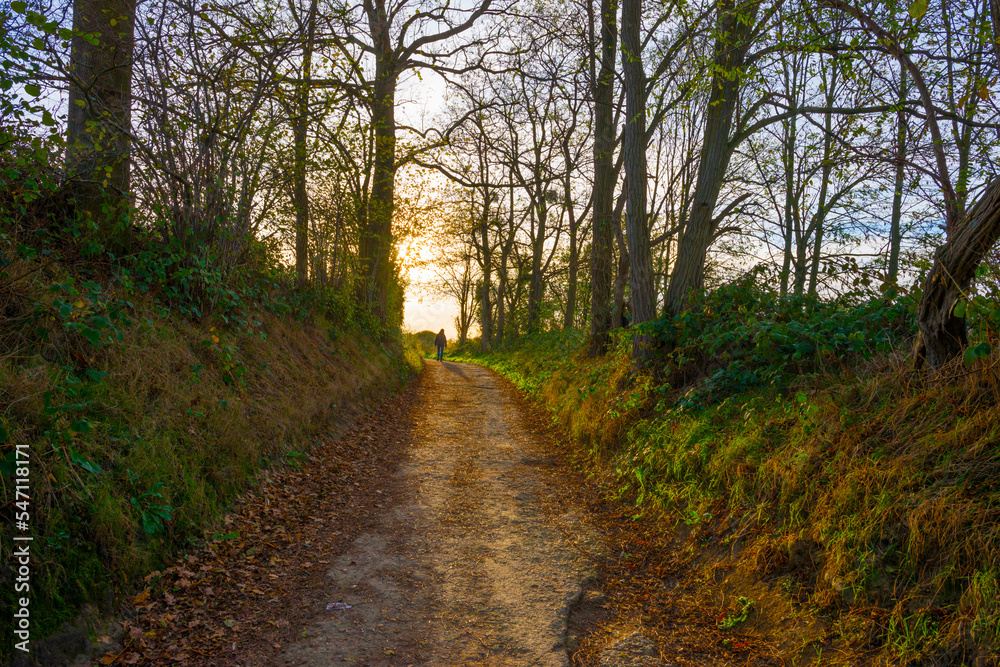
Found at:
[479, 559]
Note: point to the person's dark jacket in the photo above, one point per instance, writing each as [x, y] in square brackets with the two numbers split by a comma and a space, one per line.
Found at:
[441, 340]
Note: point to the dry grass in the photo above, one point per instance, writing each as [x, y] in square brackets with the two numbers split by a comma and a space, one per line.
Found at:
[869, 499]
[186, 416]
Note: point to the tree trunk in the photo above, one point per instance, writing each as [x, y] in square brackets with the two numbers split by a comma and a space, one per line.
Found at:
[301, 195]
[814, 268]
[621, 278]
[505, 250]
[602, 244]
[501, 310]
[574, 232]
[537, 288]
[641, 296]
[574, 268]
[819, 219]
[699, 233]
[788, 150]
[99, 110]
[895, 235]
[465, 308]
[486, 312]
[788, 162]
[376, 238]
[942, 333]
[376, 243]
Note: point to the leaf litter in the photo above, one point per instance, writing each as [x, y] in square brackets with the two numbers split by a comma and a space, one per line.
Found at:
[257, 579]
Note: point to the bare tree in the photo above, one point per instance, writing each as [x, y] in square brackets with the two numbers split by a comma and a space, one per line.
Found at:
[401, 36]
[970, 235]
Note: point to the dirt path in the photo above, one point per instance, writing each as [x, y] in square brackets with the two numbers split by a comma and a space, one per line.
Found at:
[478, 561]
[450, 521]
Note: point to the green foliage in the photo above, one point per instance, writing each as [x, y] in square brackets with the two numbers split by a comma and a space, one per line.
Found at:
[744, 606]
[530, 361]
[154, 516]
[423, 341]
[744, 335]
[769, 419]
[129, 469]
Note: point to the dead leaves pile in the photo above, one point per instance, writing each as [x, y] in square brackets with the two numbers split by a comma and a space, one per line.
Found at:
[652, 583]
[257, 579]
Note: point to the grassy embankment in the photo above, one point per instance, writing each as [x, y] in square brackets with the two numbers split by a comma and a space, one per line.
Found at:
[150, 393]
[811, 458]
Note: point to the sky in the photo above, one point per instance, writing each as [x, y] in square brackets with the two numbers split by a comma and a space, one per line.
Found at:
[432, 314]
[423, 309]
[419, 101]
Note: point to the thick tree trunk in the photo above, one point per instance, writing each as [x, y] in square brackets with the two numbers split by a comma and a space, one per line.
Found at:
[699, 233]
[641, 294]
[375, 247]
[99, 110]
[942, 333]
[602, 244]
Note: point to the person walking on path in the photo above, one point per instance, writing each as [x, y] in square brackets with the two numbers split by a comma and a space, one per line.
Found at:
[442, 342]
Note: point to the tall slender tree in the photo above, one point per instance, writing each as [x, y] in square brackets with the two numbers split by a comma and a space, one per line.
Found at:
[301, 129]
[641, 283]
[602, 197]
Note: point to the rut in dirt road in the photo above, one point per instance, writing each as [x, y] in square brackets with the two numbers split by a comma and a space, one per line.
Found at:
[480, 560]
